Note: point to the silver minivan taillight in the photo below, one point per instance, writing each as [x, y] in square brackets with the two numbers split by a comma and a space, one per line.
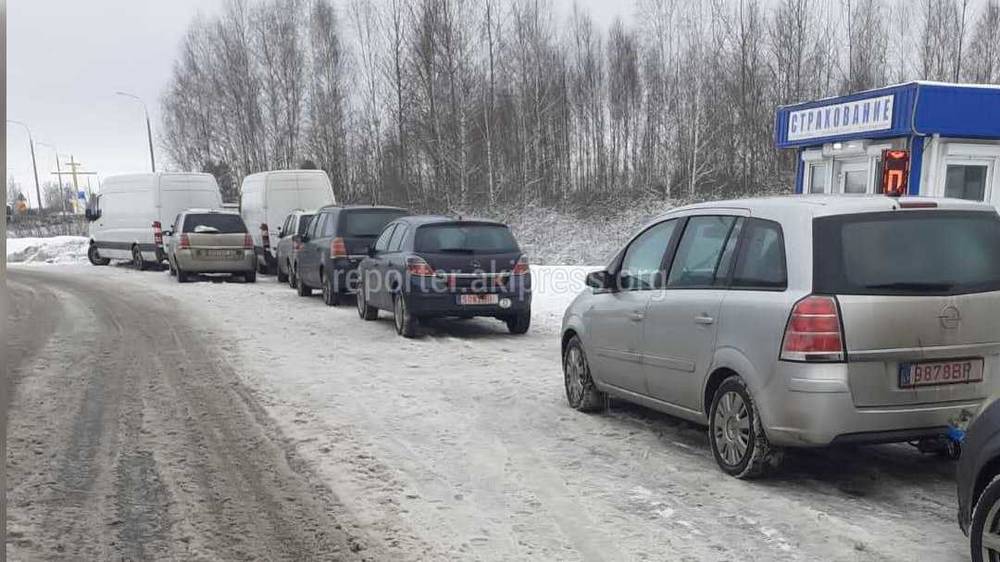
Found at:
[814, 332]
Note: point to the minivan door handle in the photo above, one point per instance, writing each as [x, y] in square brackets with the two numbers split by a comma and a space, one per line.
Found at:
[704, 319]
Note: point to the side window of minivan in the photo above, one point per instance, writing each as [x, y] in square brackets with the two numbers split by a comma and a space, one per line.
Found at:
[315, 224]
[700, 251]
[642, 266]
[761, 261]
[383, 241]
[329, 225]
[396, 242]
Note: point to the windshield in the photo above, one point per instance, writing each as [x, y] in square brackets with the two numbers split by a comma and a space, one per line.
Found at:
[465, 238]
[367, 223]
[907, 253]
[214, 223]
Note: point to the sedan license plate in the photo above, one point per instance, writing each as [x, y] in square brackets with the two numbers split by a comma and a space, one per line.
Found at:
[473, 299]
[957, 371]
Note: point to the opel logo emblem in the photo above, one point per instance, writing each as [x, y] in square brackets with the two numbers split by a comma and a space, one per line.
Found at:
[950, 317]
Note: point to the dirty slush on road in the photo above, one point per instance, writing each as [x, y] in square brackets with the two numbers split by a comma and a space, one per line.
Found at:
[130, 439]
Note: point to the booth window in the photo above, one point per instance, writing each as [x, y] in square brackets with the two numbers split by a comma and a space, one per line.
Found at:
[818, 178]
[963, 181]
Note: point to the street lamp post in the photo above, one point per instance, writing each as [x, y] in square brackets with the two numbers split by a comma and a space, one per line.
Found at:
[149, 128]
[34, 166]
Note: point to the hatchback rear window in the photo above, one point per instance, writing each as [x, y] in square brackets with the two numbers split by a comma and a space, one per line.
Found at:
[366, 223]
[465, 238]
[214, 223]
[907, 253]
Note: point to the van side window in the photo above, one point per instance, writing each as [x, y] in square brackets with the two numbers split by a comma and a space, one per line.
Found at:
[396, 242]
[642, 266]
[383, 241]
[761, 262]
[700, 251]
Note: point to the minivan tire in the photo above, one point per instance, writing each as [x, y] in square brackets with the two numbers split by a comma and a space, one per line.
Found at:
[581, 393]
[301, 288]
[95, 257]
[182, 275]
[759, 458]
[283, 275]
[331, 296]
[365, 310]
[982, 512]
[406, 324]
[138, 261]
[519, 323]
[250, 277]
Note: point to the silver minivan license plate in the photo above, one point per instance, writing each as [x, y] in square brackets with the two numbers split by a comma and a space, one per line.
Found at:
[934, 373]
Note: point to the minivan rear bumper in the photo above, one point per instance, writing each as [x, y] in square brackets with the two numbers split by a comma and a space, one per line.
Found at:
[810, 405]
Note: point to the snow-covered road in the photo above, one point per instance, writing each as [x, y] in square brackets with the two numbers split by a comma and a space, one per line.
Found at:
[459, 445]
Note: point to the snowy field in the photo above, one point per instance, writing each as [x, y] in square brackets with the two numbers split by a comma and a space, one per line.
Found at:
[459, 444]
[56, 249]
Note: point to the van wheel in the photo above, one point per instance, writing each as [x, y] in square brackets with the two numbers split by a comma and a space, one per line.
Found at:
[365, 311]
[330, 294]
[406, 324]
[581, 393]
[302, 289]
[95, 257]
[283, 275]
[519, 324]
[738, 442]
[138, 262]
[250, 277]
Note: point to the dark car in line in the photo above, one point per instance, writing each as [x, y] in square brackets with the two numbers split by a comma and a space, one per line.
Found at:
[424, 267]
[287, 249]
[978, 479]
[334, 243]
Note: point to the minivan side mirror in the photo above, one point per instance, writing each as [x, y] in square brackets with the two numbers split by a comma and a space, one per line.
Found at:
[601, 280]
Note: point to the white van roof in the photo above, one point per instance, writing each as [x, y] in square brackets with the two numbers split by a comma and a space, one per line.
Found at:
[148, 179]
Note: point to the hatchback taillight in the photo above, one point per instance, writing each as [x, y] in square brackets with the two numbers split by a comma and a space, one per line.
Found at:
[338, 248]
[185, 242]
[247, 241]
[419, 267]
[814, 331]
[521, 267]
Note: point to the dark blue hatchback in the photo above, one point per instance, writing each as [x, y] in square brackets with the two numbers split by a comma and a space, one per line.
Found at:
[424, 267]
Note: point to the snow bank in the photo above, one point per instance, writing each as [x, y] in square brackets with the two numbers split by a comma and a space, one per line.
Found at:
[56, 249]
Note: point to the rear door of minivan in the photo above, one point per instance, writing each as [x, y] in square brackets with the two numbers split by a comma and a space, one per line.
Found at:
[919, 297]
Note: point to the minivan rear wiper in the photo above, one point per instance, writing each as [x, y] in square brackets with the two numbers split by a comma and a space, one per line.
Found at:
[912, 286]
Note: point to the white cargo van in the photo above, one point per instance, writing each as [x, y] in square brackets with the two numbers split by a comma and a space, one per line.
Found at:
[268, 197]
[129, 215]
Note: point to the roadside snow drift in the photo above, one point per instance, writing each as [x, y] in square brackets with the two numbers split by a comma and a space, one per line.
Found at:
[57, 249]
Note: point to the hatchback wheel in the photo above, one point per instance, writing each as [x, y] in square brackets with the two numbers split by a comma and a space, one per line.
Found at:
[365, 311]
[581, 393]
[406, 324]
[292, 278]
[738, 442]
[984, 532]
[250, 276]
[519, 323]
[182, 275]
[330, 294]
[283, 275]
[303, 289]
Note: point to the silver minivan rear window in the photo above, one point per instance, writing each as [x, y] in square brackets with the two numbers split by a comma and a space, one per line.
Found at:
[930, 252]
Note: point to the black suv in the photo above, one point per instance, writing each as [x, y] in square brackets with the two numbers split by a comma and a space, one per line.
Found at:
[427, 266]
[337, 239]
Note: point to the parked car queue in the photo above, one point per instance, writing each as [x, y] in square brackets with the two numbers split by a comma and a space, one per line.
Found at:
[801, 321]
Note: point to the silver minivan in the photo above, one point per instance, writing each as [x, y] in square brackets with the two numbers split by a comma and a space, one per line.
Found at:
[796, 321]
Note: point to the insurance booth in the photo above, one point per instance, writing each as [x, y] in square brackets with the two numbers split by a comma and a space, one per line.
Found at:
[918, 138]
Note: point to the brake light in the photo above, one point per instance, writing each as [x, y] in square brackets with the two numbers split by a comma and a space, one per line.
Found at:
[265, 236]
[419, 267]
[814, 331]
[185, 242]
[247, 241]
[521, 267]
[338, 249]
[917, 205]
[158, 234]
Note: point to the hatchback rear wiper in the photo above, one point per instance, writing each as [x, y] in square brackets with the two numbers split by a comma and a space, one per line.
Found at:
[458, 250]
[912, 286]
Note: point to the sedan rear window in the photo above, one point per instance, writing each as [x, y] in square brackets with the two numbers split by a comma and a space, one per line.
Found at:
[465, 238]
[214, 223]
[907, 253]
[366, 223]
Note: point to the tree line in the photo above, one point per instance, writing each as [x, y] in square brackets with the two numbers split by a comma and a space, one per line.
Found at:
[444, 104]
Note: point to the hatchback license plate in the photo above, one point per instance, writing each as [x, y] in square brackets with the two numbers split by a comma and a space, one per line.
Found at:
[940, 372]
[478, 299]
[225, 254]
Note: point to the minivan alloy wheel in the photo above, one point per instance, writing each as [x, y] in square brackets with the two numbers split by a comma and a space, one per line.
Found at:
[739, 444]
[581, 393]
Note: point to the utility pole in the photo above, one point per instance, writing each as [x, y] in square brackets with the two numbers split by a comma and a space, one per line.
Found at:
[34, 166]
[74, 172]
[149, 128]
[62, 193]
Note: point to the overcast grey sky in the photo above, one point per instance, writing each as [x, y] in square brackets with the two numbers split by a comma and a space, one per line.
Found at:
[67, 58]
